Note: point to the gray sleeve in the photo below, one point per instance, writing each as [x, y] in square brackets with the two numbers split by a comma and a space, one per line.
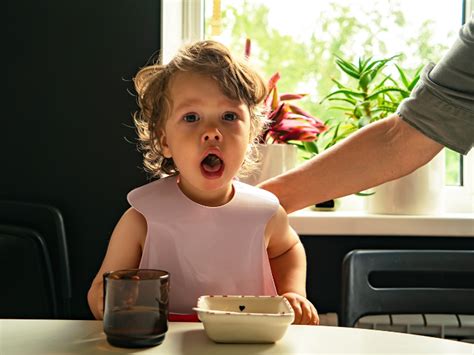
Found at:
[441, 106]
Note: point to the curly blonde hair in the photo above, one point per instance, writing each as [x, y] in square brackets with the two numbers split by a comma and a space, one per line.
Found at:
[236, 79]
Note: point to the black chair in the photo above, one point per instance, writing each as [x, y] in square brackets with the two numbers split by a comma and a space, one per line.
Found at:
[28, 289]
[48, 222]
[378, 282]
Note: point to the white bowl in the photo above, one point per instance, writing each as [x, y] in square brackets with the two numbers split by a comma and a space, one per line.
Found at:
[245, 319]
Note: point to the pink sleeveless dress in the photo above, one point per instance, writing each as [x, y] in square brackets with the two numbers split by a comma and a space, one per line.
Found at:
[207, 250]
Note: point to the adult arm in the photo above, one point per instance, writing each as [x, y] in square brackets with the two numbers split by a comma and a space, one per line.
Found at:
[380, 152]
[441, 106]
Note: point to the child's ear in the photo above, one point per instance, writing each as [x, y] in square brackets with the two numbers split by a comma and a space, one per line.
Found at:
[164, 145]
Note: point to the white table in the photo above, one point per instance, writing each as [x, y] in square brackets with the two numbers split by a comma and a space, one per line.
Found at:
[38, 337]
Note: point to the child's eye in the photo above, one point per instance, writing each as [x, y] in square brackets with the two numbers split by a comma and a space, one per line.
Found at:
[191, 117]
[229, 116]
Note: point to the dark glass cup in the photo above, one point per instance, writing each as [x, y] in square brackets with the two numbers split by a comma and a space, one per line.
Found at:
[136, 307]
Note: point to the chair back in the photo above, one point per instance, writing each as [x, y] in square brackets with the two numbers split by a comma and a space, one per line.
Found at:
[406, 282]
[28, 289]
[48, 222]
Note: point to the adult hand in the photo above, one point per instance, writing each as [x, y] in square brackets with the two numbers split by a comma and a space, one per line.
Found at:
[305, 312]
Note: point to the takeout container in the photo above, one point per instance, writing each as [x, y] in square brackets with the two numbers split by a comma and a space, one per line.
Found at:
[245, 319]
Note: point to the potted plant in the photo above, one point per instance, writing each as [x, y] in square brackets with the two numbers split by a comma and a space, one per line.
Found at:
[287, 124]
[371, 96]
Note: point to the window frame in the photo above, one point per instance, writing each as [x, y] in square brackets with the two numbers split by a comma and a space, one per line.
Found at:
[183, 22]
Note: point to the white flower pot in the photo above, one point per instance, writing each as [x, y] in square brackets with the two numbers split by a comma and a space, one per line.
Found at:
[274, 160]
[420, 192]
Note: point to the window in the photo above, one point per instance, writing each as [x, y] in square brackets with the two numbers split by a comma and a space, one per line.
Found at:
[298, 39]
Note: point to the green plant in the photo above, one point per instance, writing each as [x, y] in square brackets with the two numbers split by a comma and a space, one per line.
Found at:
[370, 95]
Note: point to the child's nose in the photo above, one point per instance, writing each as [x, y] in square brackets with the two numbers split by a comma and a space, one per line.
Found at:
[211, 134]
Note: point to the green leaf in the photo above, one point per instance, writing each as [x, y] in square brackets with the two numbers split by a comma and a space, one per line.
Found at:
[418, 71]
[362, 66]
[345, 99]
[373, 69]
[346, 63]
[389, 109]
[413, 84]
[347, 67]
[357, 112]
[369, 76]
[364, 193]
[404, 95]
[365, 80]
[344, 92]
[391, 97]
[340, 136]
[311, 147]
[339, 85]
[387, 77]
[390, 79]
[362, 103]
[329, 122]
[372, 73]
[385, 89]
[364, 121]
[402, 76]
[334, 136]
[350, 72]
[341, 108]
[415, 80]
[382, 62]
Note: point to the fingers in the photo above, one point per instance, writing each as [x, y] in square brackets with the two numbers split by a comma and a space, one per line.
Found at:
[314, 316]
[298, 311]
[309, 315]
[305, 312]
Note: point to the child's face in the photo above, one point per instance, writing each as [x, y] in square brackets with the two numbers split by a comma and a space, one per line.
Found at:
[207, 135]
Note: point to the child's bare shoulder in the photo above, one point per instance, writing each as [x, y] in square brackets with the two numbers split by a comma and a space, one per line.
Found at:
[278, 225]
[279, 219]
[133, 216]
[132, 224]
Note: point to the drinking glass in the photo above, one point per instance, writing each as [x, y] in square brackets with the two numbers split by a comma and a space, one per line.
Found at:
[136, 307]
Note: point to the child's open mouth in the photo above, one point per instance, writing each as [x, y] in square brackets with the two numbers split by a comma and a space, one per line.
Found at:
[212, 166]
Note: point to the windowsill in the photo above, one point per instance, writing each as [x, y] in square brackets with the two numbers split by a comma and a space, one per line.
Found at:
[352, 223]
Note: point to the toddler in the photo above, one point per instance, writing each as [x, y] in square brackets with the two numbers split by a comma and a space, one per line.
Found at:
[198, 122]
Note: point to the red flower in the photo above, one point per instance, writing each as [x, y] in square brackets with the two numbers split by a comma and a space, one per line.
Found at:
[287, 121]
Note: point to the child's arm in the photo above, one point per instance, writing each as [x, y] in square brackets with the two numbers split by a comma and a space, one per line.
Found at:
[124, 251]
[288, 263]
